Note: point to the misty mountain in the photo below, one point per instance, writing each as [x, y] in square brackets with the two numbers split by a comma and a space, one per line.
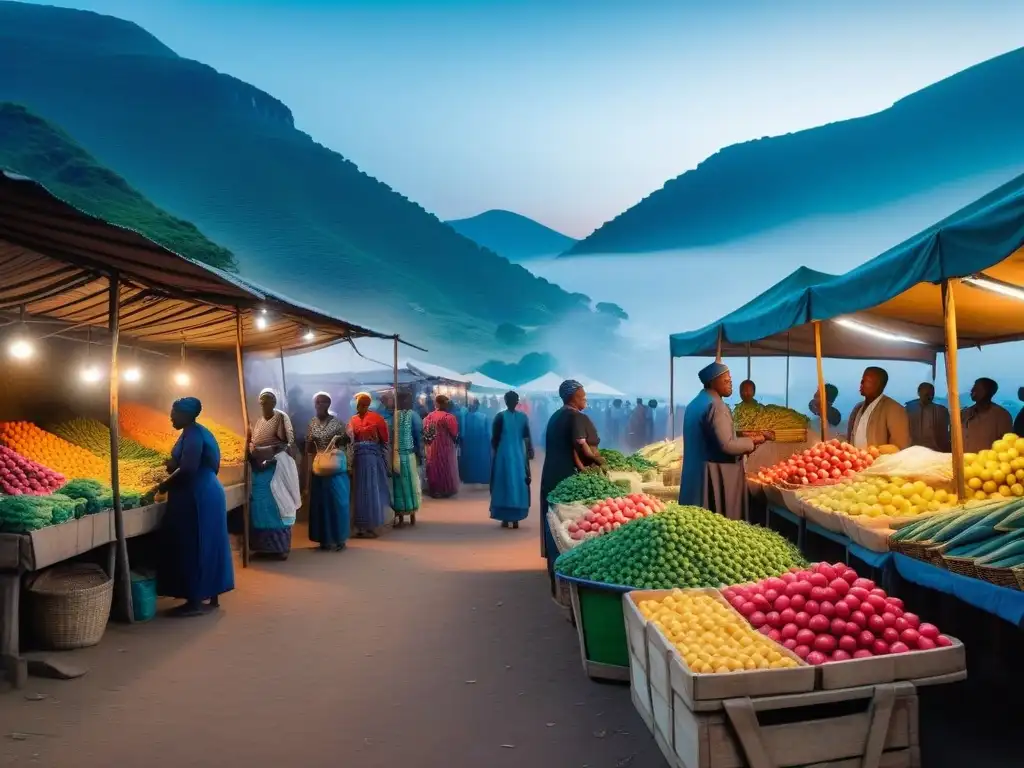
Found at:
[299, 217]
[964, 126]
[515, 237]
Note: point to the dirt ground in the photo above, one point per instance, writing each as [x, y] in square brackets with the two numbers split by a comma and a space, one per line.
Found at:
[434, 646]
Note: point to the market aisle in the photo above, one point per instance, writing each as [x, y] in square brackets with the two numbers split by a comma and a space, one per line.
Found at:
[364, 657]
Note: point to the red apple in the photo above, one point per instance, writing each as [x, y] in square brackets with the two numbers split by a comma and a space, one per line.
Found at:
[804, 637]
[880, 648]
[925, 643]
[756, 619]
[818, 623]
[848, 643]
[943, 642]
[840, 655]
[912, 620]
[789, 631]
[910, 637]
[898, 648]
[802, 651]
[862, 653]
[781, 603]
[928, 630]
[789, 643]
[788, 616]
[816, 658]
[802, 619]
[858, 618]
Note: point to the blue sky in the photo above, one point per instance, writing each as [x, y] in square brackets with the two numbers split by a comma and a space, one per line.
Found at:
[569, 111]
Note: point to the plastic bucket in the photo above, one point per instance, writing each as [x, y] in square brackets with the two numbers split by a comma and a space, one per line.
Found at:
[143, 596]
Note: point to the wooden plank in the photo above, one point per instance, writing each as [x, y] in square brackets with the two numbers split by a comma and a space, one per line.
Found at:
[640, 688]
[880, 715]
[912, 665]
[748, 731]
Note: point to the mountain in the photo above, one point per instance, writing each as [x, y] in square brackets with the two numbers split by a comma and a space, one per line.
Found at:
[32, 147]
[966, 125]
[299, 217]
[513, 236]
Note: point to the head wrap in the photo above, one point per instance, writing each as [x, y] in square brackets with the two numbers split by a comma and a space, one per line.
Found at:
[363, 396]
[711, 372]
[568, 388]
[268, 391]
[190, 406]
[320, 394]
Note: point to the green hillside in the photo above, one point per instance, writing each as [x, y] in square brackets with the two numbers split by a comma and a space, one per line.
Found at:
[33, 147]
[300, 218]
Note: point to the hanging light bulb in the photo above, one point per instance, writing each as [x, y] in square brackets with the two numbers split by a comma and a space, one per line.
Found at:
[21, 348]
[91, 374]
[181, 377]
[132, 374]
[309, 335]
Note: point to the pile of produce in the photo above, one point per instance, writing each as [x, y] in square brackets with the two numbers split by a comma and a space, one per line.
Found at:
[152, 428]
[94, 436]
[51, 451]
[616, 461]
[19, 475]
[667, 454]
[585, 487]
[754, 416]
[611, 514]
[827, 613]
[98, 497]
[23, 514]
[998, 471]
[882, 497]
[826, 463]
[989, 533]
[680, 547]
[710, 636]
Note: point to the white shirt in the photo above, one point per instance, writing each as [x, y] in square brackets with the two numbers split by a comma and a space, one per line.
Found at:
[860, 430]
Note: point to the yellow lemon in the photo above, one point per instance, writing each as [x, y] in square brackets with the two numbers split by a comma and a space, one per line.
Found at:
[974, 483]
[980, 495]
[986, 474]
[1017, 489]
[1004, 490]
[989, 486]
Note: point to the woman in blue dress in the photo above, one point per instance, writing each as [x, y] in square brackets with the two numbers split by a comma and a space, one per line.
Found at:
[475, 459]
[328, 494]
[275, 494]
[195, 563]
[510, 472]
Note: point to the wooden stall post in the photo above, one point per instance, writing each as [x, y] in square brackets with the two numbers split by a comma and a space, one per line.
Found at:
[822, 401]
[748, 359]
[672, 394]
[787, 369]
[284, 381]
[247, 467]
[718, 347]
[122, 570]
[396, 465]
[955, 428]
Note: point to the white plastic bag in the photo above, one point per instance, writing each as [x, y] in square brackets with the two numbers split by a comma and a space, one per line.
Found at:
[284, 487]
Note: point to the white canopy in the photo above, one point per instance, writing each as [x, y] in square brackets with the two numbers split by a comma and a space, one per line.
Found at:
[599, 388]
[432, 371]
[482, 381]
[547, 384]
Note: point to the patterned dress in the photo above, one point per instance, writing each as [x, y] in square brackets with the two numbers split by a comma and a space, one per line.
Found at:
[441, 431]
[405, 485]
[269, 531]
[329, 495]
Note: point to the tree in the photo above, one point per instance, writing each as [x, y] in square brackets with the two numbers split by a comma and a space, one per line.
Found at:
[608, 308]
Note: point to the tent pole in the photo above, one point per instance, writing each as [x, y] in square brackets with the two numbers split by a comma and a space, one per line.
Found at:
[718, 347]
[934, 366]
[787, 369]
[284, 381]
[748, 359]
[672, 394]
[822, 404]
[396, 466]
[122, 569]
[247, 468]
[955, 428]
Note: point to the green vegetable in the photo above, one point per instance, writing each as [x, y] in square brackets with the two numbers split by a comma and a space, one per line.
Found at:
[756, 416]
[94, 436]
[1010, 548]
[1007, 562]
[585, 487]
[984, 527]
[616, 461]
[1014, 521]
[681, 547]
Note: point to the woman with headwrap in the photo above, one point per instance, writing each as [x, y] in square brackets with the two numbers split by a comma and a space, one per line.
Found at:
[406, 493]
[571, 446]
[510, 472]
[329, 524]
[441, 435]
[370, 485]
[195, 559]
[276, 495]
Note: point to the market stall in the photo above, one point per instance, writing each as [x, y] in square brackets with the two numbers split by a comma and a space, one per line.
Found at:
[101, 329]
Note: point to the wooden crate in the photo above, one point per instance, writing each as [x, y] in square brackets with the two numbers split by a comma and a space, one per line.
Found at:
[947, 663]
[595, 668]
[640, 691]
[873, 727]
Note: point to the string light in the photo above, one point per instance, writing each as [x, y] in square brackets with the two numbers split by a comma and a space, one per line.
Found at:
[995, 286]
[91, 374]
[877, 333]
[132, 374]
[21, 349]
[309, 335]
[182, 379]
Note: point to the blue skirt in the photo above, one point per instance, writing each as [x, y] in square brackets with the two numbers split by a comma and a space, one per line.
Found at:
[268, 533]
[328, 509]
[195, 556]
[370, 483]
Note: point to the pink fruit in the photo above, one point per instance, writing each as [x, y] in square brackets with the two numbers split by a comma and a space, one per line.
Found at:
[802, 651]
[878, 592]
[756, 619]
[880, 648]
[782, 603]
[771, 595]
[837, 627]
[876, 624]
[805, 637]
[858, 618]
[747, 609]
[826, 570]
[843, 610]
[798, 602]
[818, 623]
[889, 619]
[818, 593]
[912, 620]
[792, 589]
[802, 619]
[790, 631]
[848, 643]
[859, 592]
[867, 584]
[849, 576]
[840, 655]
[901, 624]
[827, 609]
[898, 648]
[788, 616]
[825, 643]
[928, 630]
[862, 653]
[852, 629]
[789, 643]
[910, 637]
[765, 630]
[890, 635]
[878, 602]
[817, 580]
[895, 601]
[788, 578]
[943, 642]
[868, 609]
[775, 635]
[925, 643]
[853, 601]
[816, 658]
[866, 639]
[812, 607]
[775, 583]
[773, 619]
[841, 586]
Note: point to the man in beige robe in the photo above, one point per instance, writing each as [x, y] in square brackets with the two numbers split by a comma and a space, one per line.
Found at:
[929, 421]
[984, 422]
[877, 419]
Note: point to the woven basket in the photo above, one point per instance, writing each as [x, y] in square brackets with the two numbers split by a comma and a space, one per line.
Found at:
[70, 606]
[1019, 573]
[961, 565]
[933, 556]
[915, 549]
[1003, 577]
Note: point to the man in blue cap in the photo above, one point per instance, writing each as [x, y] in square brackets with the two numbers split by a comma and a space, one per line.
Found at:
[713, 475]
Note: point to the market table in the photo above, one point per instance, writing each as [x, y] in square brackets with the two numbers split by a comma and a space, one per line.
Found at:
[26, 553]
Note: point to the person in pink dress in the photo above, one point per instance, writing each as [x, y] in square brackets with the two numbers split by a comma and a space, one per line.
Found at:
[441, 436]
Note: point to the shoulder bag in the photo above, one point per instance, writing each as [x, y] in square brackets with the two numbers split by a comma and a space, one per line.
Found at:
[328, 462]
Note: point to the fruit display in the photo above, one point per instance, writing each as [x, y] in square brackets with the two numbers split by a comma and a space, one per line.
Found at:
[710, 637]
[98, 497]
[24, 514]
[19, 475]
[680, 547]
[666, 454]
[914, 463]
[823, 464]
[616, 461]
[94, 436]
[754, 416]
[875, 497]
[827, 613]
[611, 514]
[585, 487]
[998, 471]
[152, 429]
[988, 533]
